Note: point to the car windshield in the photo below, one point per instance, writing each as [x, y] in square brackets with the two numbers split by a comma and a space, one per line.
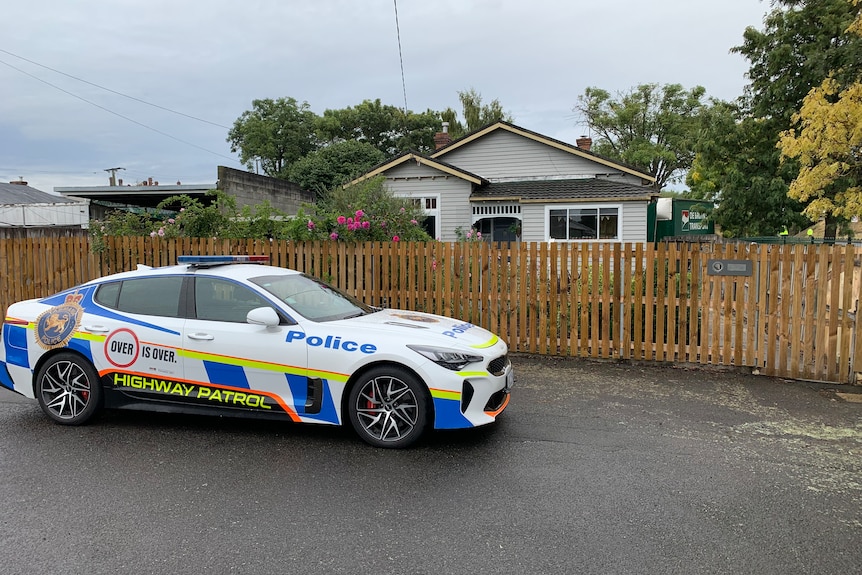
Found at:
[311, 298]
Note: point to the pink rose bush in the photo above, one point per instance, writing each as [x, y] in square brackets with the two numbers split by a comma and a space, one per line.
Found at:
[361, 225]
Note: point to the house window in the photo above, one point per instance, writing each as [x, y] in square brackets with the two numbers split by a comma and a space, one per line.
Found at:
[424, 203]
[428, 206]
[584, 223]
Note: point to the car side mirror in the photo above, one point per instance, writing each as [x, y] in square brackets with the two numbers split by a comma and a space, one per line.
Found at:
[263, 316]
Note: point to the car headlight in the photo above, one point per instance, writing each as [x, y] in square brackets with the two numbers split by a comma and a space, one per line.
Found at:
[448, 358]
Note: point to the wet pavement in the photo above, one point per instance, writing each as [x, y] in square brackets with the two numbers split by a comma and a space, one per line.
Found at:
[596, 467]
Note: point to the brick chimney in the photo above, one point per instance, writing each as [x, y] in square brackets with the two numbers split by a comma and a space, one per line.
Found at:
[584, 143]
[442, 138]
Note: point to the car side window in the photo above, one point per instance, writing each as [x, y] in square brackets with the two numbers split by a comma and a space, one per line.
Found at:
[220, 300]
[149, 296]
[108, 293]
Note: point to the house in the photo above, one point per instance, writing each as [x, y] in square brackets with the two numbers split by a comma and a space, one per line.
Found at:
[513, 184]
[24, 207]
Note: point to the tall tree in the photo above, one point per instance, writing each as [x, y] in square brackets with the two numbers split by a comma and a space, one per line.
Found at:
[274, 134]
[653, 128]
[828, 145]
[476, 114]
[387, 128]
[732, 153]
[827, 141]
[334, 165]
[418, 131]
[802, 41]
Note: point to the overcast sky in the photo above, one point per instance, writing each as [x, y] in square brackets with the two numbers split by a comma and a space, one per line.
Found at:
[209, 59]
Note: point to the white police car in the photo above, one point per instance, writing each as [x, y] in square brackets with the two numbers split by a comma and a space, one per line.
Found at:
[216, 335]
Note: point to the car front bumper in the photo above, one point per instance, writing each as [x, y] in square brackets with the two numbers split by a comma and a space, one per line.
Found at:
[482, 397]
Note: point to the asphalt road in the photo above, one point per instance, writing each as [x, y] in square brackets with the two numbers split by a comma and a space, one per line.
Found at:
[594, 468]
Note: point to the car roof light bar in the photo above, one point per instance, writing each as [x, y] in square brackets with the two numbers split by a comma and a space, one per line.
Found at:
[221, 260]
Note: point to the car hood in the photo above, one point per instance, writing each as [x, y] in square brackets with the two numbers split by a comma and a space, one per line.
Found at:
[425, 326]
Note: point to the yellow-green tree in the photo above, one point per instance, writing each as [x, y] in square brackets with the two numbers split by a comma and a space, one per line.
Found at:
[826, 140]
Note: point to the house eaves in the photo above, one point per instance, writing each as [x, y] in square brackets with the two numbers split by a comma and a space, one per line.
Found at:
[562, 191]
[469, 138]
[143, 196]
[421, 160]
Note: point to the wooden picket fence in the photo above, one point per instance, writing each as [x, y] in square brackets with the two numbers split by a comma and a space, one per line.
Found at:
[795, 316]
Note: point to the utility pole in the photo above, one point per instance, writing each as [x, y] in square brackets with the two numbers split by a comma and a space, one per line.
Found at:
[113, 180]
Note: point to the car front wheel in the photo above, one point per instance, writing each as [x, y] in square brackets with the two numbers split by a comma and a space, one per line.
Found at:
[68, 389]
[388, 407]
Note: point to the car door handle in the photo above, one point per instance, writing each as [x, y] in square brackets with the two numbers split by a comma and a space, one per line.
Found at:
[201, 336]
[95, 328]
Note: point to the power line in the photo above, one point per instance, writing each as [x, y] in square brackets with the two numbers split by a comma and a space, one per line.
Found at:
[31, 171]
[118, 114]
[114, 91]
[64, 172]
[401, 59]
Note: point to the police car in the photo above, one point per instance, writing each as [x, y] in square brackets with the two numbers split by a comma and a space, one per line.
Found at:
[229, 335]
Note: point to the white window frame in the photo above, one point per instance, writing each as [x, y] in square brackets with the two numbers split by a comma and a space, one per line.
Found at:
[596, 206]
[427, 212]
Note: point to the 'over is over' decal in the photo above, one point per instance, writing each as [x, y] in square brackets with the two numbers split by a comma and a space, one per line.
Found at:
[122, 348]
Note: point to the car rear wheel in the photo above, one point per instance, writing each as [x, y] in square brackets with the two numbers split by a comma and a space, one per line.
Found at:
[68, 389]
[388, 407]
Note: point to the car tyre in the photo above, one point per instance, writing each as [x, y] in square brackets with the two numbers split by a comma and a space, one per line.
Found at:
[68, 389]
[388, 407]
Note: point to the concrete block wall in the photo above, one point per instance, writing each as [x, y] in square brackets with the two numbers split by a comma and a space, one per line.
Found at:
[251, 189]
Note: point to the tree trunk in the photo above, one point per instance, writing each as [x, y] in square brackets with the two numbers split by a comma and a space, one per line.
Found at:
[831, 227]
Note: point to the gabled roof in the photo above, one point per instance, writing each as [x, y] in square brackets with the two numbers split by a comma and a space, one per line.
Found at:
[17, 194]
[480, 133]
[421, 160]
[575, 190]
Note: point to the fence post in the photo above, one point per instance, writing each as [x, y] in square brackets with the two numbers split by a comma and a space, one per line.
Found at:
[856, 283]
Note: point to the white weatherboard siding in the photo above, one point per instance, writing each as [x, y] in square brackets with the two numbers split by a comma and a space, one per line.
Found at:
[533, 223]
[503, 155]
[38, 215]
[633, 221]
[453, 194]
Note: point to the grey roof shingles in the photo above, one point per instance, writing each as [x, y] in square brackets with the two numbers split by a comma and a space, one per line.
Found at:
[16, 194]
[562, 190]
